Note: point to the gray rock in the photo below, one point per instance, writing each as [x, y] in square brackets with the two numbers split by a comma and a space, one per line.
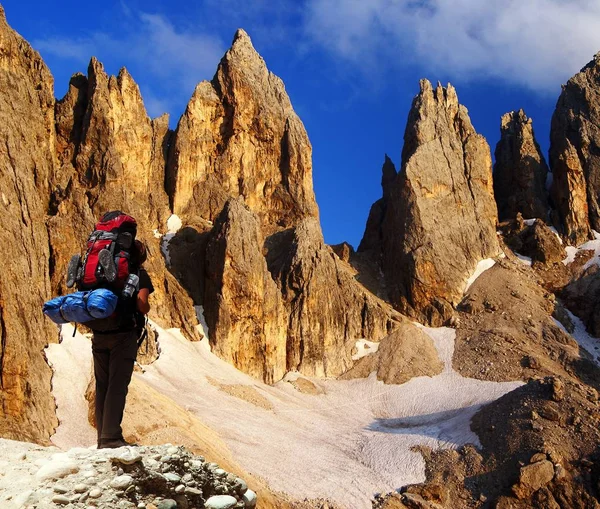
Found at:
[121, 482]
[192, 491]
[168, 503]
[249, 499]
[59, 488]
[80, 488]
[180, 489]
[61, 499]
[220, 502]
[170, 476]
[96, 493]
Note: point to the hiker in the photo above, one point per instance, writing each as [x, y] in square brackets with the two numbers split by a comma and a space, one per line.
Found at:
[112, 301]
[114, 354]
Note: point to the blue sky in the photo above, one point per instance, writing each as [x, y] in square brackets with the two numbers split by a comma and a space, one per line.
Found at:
[351, 67]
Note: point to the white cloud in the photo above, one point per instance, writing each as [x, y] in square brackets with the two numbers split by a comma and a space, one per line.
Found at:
[535, 43]
[165, 60]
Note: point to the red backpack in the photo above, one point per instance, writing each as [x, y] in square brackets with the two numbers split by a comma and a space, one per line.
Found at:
[106, 262]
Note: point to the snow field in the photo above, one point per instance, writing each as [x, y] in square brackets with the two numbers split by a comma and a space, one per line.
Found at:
[482, 266]
[346, 445]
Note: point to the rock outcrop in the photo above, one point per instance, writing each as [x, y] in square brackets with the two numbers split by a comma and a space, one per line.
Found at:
[328, 311]
[575, 154]
[406, 353]
[439, 219]
[26, 166]
[243, 306]
[520, 171]
[240, 136]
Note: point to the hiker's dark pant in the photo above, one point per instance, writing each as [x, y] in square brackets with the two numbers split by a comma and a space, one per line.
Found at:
[114, 357]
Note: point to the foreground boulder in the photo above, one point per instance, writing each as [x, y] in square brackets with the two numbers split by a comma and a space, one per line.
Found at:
[574, 155]
[156, 476]
[439, 217]
[520, 171]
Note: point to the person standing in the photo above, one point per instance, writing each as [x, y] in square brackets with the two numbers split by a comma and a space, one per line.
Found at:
[114, 353]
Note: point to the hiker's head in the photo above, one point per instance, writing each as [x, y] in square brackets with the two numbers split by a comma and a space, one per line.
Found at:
[139, 253]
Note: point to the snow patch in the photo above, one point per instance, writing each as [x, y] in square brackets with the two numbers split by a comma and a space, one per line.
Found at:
[589, 343]
[174, 224]
[525, 260]
[555, 231]
[157, 234]
[364, 348]
[592, 245]
[530, 222]
[482, 266]
[71, 360]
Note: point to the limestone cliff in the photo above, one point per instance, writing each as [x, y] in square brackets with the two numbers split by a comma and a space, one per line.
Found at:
[439, 217]
[26, 164]
[520, 171]
[240, 136]
[575, 154]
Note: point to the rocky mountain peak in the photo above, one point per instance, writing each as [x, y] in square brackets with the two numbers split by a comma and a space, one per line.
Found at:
[520, 171]
[438, 219]
[388, 176]
[574, 155]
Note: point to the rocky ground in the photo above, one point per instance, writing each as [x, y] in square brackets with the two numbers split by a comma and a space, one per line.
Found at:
[158, 477]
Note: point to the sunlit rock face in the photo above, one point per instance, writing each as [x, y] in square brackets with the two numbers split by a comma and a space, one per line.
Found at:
[27, 161]
[575, 154]
[240, 136]
[438, 215]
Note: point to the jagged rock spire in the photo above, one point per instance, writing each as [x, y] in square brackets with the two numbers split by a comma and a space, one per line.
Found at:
[520, 171]
[575, 156]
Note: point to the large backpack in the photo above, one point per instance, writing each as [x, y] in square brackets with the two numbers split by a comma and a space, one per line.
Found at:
[107, 261]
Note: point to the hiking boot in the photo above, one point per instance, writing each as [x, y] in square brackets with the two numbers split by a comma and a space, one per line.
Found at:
[108, 265]
[73, 270]
[113, 444]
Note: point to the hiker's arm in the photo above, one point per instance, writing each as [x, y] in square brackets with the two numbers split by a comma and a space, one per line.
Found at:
[142, 301]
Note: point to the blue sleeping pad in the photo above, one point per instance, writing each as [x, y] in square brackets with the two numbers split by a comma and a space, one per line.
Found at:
[81, 307]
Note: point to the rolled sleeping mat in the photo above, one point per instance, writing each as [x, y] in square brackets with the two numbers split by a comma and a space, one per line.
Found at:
[81, 307]
[101, 303]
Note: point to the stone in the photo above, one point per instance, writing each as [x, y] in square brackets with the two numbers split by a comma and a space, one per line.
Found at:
[180, 489]
[558, 389]
[220, 502]
[168, 503]
[192, 491]
[533, 477]
[57, 469]
[520, 170]
[344, 251]
[95, 493]
[61, 500]
[579, 296]
[170, 476]
[439, 219]
[574, 160]
[58, 488]
[540, 456]
[129, 457]
[249, 499]
[121, 482]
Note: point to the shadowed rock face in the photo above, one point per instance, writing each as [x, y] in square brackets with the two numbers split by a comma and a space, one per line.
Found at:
[438, 218]
[26, 165]
[240, 136]
[520, 171]
[575, 154]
